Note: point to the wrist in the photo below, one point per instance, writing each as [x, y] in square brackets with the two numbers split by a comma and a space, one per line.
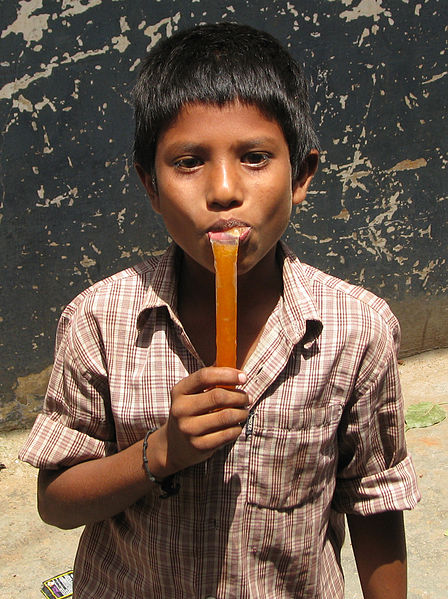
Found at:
[151, 465]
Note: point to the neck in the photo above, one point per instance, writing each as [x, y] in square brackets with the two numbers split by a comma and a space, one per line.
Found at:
[197, 284]
[262, 285]
[258, 293]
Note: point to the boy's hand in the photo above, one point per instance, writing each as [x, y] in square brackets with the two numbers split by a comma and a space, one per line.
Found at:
[203, 417]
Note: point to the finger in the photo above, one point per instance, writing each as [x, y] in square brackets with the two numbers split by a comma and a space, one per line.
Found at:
[185, 406]
[206, 424]
[209, 377]
[213, 441]
[219, 398]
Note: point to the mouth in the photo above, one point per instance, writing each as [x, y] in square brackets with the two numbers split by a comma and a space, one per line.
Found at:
[223, 229]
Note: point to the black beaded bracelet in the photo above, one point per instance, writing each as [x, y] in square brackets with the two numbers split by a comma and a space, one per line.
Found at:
[167, 484]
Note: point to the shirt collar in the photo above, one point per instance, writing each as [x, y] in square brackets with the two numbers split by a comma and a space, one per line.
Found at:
[162, 290]
[300, 318]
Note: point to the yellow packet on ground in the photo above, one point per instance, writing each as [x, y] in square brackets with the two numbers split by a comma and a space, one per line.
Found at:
[58, 587]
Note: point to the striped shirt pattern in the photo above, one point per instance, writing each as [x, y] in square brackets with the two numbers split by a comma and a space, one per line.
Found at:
[263, 518]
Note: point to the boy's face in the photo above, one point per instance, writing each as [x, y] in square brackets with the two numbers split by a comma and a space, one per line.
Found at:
[219, 167]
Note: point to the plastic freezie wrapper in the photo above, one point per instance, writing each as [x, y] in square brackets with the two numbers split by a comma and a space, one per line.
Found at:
[225, 252]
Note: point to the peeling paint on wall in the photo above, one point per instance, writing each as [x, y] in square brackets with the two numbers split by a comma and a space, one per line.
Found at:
[32, 386]
[72, 210]
[408, 165]
[21, 408]
[366, 9]
[27, 24]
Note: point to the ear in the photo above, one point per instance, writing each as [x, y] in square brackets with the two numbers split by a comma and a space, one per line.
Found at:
[150, 185]
[306, 174]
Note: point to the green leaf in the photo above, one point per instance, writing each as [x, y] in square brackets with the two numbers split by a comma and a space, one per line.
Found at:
[424, 414]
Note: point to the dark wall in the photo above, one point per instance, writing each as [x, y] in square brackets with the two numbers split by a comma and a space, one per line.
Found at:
[72, 209]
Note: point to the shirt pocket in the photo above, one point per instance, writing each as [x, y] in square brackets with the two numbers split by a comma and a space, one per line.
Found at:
[291, 467]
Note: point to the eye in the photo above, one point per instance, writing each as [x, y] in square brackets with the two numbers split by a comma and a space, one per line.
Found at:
[187, 163]
[256, 158]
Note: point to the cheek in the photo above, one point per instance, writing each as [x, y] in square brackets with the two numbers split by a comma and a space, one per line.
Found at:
[281, 202]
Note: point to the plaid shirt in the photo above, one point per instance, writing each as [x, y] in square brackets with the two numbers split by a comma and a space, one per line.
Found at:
[262, 518]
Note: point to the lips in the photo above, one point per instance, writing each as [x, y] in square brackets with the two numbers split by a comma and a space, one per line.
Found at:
[223, 229]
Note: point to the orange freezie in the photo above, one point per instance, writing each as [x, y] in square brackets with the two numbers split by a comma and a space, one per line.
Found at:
[225, 252]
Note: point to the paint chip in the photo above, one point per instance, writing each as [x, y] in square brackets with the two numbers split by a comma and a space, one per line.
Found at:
[31, 386]
[366, 8]
[409, 165]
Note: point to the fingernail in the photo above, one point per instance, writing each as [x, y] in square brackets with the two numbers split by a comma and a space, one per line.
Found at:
[242, 377]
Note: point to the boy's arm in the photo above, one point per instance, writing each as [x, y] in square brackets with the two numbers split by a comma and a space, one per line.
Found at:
[380, 551]
[91, 491]
[202, 419]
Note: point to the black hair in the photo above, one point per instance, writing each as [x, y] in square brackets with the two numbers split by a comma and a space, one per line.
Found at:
[217, 64]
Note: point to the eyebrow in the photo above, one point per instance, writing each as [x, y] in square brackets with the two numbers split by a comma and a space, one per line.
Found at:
[185, 148]
[259, 141]
[244, 144]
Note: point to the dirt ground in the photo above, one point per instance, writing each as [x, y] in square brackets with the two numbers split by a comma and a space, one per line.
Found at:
[31, 551]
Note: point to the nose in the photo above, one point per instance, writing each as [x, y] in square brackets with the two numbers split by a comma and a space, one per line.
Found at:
[224, 188]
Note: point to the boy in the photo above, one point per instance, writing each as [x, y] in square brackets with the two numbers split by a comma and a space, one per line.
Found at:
[199, 481]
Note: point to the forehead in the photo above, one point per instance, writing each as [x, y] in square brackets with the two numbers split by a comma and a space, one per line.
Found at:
[231, 122]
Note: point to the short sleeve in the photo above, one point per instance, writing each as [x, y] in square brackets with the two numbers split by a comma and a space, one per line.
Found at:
[375, 472]
[75, 424]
